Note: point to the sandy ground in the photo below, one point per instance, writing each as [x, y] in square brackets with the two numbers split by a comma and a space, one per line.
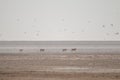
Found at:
[60, 66]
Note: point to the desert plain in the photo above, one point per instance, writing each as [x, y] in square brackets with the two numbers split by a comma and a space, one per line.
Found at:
[63, 66]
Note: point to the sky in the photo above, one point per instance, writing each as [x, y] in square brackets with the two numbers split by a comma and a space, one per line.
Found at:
[60, 20]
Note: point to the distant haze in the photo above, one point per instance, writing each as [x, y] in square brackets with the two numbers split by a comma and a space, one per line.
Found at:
[60, 20]
[60, 47]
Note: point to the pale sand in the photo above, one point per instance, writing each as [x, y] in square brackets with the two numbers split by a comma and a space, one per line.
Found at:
[60, 66]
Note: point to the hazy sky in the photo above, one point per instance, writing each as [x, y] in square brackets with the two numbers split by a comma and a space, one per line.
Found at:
[59, 19]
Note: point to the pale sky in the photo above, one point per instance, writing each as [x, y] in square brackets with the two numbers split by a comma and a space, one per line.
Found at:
[60, 20]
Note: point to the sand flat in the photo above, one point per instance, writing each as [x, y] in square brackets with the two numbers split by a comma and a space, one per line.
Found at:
[60, 66]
